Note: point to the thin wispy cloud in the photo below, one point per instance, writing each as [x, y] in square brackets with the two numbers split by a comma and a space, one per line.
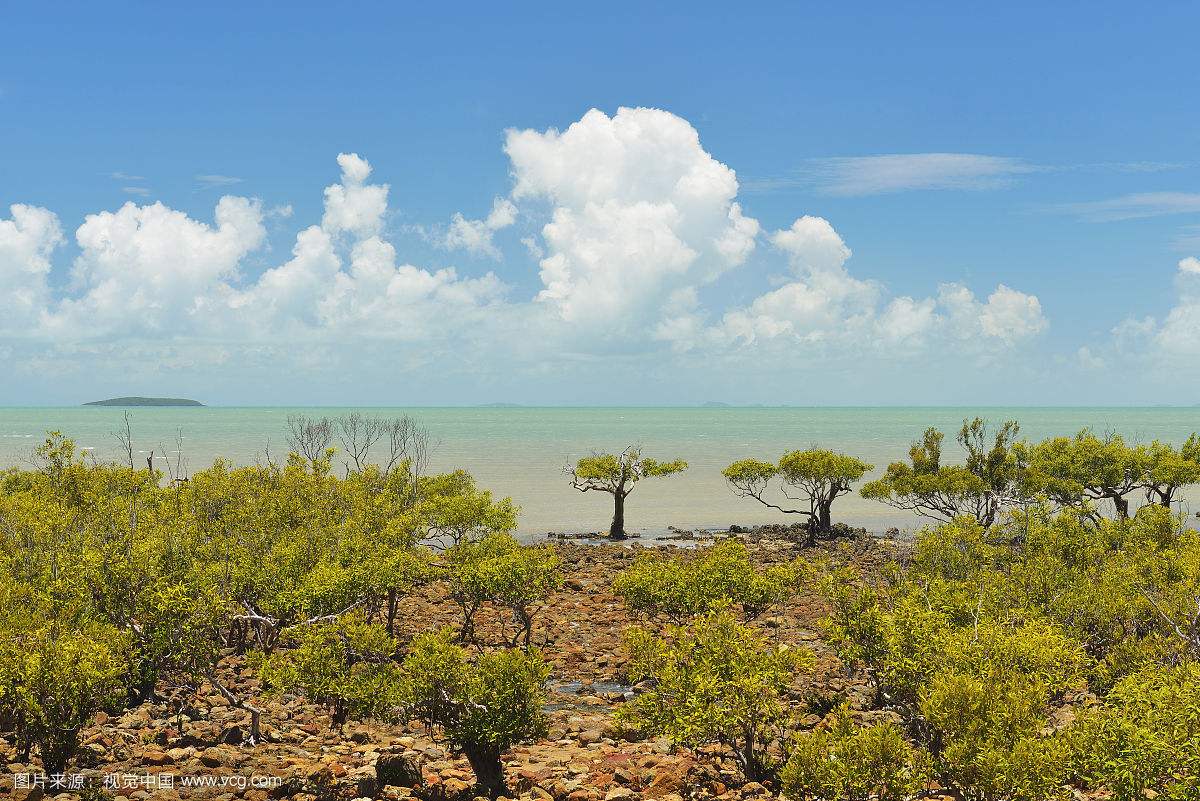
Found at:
[858, 176]
[1138, 205]
[1134, 166]
[855, 176]
[124, 176]
[140, 191]
[215, 181]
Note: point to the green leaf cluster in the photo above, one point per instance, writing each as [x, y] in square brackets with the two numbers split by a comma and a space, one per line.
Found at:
[484, 706]
[988, 481]
[345, 665]
[1144, 741]
[681, 587]
[848, 762]
[714, 681]
[167, 573]
[988, 641]
[815, 477]
[498, 570]
[54, 676]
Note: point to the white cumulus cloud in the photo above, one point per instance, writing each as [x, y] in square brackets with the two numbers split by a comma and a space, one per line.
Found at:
[1180, 331]
[27, 241]
[353, 205]
[640, 211]
[825, 306]
[151, 269]
[637, 228]
[476, 236]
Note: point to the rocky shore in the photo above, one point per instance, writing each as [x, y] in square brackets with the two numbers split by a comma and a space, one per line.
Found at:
[165, 749]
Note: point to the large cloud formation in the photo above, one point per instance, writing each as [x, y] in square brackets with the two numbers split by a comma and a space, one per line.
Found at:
[640, 211]
[634, 219]
[1179, 334]
[824, 307]
[27, 241]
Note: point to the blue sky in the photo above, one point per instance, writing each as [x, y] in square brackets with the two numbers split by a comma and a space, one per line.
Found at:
[1050, 151]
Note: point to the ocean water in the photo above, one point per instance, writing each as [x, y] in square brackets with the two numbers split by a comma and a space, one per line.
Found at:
[521, 452]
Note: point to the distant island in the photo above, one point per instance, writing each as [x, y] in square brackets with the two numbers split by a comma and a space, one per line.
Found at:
[137, 401]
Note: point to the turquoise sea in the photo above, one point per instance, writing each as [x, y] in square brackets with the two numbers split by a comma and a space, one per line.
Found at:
[521, 452]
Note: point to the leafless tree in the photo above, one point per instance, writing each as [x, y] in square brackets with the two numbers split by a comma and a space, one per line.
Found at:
[124, 438]
[177, 470]
[358, 434]
[408, 442]
[309, 436]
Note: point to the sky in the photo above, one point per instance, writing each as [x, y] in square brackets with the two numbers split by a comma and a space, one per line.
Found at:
[601, 204]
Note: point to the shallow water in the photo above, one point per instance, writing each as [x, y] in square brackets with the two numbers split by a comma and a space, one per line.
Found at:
[521, 452]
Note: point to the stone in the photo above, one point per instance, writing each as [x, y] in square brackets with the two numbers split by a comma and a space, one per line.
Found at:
[590, 736]
[398, 770]
[152, 756]
[455, 787]
[621, 794]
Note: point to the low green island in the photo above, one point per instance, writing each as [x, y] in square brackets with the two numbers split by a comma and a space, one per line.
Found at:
[140, 401]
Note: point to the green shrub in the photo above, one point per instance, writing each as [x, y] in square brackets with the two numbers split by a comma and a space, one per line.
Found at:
[1144, 742]
[714, 681]
[618, 474]
[845, 762]
[987, 738]
[484, 707]
[975, 676]
[345, 665]
[230, 557]
[957, 551]
[497, 569]
[1078, 472]
[685, 586]
[54, 676]
[452, 510]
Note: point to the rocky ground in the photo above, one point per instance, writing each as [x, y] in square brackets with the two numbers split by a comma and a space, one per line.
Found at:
[155, 750]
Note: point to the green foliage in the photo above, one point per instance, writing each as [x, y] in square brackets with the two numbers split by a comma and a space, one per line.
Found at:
[1078, 471]
[484, 707]
[986, 483]
[1047, 650]
[456, 510]
[1144, 742]
[680, 587]
[499, 570]
[714, 681]
[345, 665]
[987, 638]
[987, 730]
[816, 477]
[611, 470]
[54, 676]
[1168, 469]
[179, 570]
[845, 762]
[617, 475]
